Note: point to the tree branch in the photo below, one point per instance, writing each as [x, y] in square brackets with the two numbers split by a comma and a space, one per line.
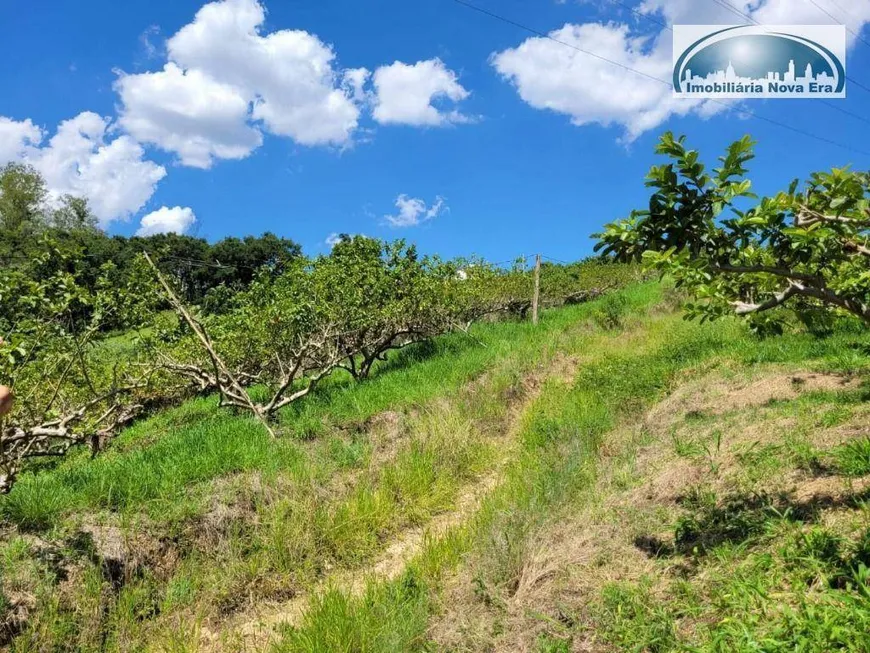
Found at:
[236, 393]
[743, 308]
[807, 217]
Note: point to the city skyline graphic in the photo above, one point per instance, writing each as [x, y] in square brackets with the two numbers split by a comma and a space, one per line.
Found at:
[788, 76]
[755, 61]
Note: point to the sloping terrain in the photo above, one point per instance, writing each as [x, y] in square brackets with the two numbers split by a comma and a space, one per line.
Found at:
[732, 515]
[610, 479]
[672, 497]
[196, 526]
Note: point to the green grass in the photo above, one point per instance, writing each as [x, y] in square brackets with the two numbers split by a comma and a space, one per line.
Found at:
[197, 441]
[418, 374]
[560, 440]
[336, 623]
[225, 515]
[157, 473]
[853, 459]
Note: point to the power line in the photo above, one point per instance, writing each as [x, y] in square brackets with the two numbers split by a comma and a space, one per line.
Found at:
[665, 26]
[797, 130]
[747, 112]
[643, 15]
[836, 20]
[848, 13]
[734, 10]
[835, 107]
[544, 35]
[727, 5]
[209, 264]
[556, 260]
[517, 259]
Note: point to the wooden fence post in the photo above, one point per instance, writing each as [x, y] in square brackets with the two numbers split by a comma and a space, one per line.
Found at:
[537, 294]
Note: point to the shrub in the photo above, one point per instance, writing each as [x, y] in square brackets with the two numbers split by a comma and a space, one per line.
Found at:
[807, 249]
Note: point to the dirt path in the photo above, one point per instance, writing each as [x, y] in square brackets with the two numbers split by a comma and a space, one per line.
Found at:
[259, 629]
[617, 528]
[256, 629]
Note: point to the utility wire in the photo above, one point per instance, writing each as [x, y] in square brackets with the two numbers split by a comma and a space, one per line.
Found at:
[727, 5]
[857, 35]
[743, 111]
[640, 14]
[209, 264]
[827, 103]
[734, 10]
[557, 260]
[845, 111]
[544, 35]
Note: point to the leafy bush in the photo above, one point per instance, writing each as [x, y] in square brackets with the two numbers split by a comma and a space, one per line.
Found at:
[286, 333]
[610, 312]
[807, 249]
[67, 389]
[261, 346]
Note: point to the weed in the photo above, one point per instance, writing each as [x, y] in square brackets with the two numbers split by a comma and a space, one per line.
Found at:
[252, 519]
[610, 312]
[386, 619]
[709, 523]
[634, 620]
[348, 454]
[853, 458]
[550, 644]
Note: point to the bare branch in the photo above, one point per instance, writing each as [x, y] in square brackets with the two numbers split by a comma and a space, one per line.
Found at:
[830, 297]
[807, 217]
[857, 247]
[797, 288]
[743, 308]
[226, 382]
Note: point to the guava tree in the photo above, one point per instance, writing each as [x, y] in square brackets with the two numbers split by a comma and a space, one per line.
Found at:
[807, 247]
[575, 283]
[279, 334]
[482, 290]
[385, 295]
[65, 386]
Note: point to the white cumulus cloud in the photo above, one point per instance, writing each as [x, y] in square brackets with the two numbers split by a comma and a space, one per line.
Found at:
[413, 211]
[224, 74]
[405, 94]
[83, 159]
[189, 113]
[354, 81]
[164, 220]
[855, 14]
[16, 138]
[559, 77]
[550, 75]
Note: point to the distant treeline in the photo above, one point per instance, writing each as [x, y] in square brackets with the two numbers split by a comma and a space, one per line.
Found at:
[37, 235]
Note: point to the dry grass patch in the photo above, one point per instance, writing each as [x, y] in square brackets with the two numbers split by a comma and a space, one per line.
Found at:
[705, 438]
[390, 434]
[728, 389]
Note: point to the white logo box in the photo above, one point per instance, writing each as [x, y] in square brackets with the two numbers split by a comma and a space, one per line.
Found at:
[759, 61]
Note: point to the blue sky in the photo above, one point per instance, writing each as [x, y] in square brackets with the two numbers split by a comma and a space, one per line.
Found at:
[491, 140]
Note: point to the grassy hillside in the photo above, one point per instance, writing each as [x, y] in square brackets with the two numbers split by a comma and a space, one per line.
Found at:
[614, 478]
